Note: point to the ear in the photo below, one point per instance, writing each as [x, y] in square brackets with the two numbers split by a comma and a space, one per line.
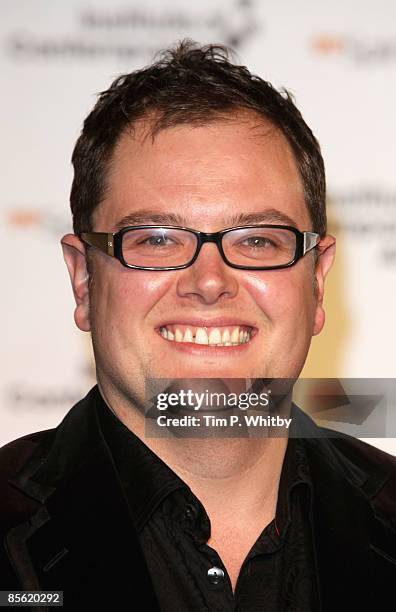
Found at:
[326, 247]
[75, 258]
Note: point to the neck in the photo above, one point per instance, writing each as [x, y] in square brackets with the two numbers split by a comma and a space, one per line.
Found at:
[228, 475]
[231, 477]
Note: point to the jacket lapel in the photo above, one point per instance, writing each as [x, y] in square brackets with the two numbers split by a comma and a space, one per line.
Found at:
[81, 539]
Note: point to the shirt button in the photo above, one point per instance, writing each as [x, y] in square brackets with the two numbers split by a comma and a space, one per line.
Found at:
[189, 512]
[215, 575]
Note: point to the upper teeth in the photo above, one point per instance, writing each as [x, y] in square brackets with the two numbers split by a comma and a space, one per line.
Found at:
[214, 336]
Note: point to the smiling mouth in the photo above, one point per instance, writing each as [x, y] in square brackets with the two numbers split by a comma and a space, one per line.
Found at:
[227, 335]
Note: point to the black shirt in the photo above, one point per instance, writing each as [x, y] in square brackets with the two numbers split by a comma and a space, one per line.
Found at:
[278, 574]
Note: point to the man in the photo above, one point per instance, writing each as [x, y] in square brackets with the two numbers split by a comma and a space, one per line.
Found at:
[171, 159]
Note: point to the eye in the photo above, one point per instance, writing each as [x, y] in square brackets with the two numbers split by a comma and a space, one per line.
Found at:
[258, 242]
[156, 240]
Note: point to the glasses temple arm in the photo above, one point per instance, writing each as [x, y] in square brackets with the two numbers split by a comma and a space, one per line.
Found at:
[310, 241]
[101, 240]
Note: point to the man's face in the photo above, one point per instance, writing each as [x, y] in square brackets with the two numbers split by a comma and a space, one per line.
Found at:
[208, 175]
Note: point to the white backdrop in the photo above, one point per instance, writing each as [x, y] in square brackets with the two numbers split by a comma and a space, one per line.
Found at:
[338, 59]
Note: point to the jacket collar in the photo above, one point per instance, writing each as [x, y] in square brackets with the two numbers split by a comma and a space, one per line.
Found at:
[73, 477]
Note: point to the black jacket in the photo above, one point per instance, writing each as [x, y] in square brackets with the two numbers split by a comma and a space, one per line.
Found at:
[65, 523]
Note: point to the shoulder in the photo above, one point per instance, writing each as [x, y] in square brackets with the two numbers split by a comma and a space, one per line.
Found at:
[30, 463]
[13, 457]
[375, 470]
[353, 449]
[14, 454]
[362, 454]
[337, 457]
[35, 446]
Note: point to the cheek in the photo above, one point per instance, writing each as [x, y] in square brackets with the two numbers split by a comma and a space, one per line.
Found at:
[284, 296]
[140, 283]
[137, 294]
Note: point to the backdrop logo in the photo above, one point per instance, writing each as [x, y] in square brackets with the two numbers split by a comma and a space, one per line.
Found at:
[135, 31]
[326, 44]
[28, 218]
[367, 213]
[364, 51]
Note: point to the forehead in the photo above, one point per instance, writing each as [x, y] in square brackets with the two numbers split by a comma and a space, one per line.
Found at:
[203, 176]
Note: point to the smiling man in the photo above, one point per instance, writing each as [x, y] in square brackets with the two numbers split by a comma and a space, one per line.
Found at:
[199, 252]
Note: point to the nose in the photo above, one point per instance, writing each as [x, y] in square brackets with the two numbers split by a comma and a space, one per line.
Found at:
[209, 279]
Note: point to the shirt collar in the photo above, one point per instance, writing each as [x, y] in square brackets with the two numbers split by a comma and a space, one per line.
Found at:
[295, 473]
[148, 480]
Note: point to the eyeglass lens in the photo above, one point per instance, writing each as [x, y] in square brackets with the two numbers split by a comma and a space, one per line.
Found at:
[258, 246]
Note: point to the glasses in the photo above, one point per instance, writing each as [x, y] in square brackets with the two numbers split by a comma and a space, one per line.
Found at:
[159, 247]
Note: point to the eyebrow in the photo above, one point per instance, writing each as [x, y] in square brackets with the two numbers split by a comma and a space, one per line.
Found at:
[152, 217]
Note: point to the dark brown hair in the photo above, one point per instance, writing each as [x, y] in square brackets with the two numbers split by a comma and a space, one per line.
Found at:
[188, 84]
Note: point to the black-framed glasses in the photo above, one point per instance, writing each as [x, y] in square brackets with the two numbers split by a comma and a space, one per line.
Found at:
[168, 247]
